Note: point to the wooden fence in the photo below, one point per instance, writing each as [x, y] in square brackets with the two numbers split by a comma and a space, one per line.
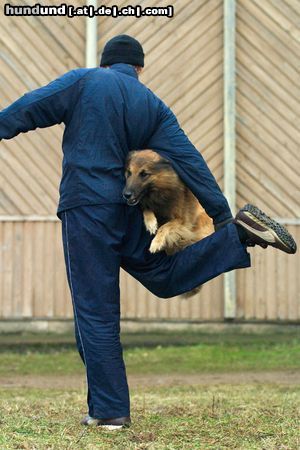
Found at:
[184, 67]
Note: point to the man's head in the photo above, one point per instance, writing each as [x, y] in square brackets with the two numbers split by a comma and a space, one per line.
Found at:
[123, 49]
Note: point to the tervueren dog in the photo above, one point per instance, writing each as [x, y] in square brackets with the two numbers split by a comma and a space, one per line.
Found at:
[171, 212]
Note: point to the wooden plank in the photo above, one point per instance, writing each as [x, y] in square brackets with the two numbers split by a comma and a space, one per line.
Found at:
[199, 99]
[163, 308]
[271, 130]
[64, 48]
[206, 305]
[39, 309]
[268, 95]
[2, 248]
[250, 287]
[55, 37]
[283, 96]
[274, 181]
[257, 194]
[258, 19]
[14, 46]
[294, 5]
[198, 118]
[194, 306]
[34, 50]
[7, 273]
[191, 62]
[28, 264]
[260, 50]
[164, 56]
[153, 304]
[17, 269]
[171, 304]
[194, 80]
[285, 17]
[270, 291]
[61, 299]
[281, 292]
[260, 297]
[292, 281]
[6, 204]
[16, 191]
[258, 186]
[49, 269]
[205, 135]
[36, 196]
[141, 302]
[270, 185]
[131, 296]
[40, 173]
[240, 294]
[216, 295]
[123, 294]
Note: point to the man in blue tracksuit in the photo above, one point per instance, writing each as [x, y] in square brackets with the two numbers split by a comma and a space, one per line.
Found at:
[107, 112]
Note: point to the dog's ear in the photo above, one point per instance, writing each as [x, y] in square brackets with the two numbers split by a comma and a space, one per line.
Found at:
[129, 157]
[162, 164]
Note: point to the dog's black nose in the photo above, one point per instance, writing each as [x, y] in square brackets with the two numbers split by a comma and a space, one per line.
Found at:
[127, 195]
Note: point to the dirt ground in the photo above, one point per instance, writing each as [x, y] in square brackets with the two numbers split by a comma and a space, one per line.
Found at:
[78, 381]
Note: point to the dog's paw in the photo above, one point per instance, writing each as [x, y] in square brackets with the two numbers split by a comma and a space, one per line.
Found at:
[150, 222]
[157, 245]
[152, 226]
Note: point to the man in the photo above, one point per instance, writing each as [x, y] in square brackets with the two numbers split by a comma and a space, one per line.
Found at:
[107, 112]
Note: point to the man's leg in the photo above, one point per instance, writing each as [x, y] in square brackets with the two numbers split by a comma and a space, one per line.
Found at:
[91, 238]
[168, 276]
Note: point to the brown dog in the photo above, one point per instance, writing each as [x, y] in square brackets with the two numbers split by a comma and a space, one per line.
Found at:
[171, 212]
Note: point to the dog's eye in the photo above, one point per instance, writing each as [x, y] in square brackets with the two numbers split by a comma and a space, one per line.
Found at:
[127, 174]
[144, 174]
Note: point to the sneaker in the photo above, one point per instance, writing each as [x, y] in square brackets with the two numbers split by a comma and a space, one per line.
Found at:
[264, 231]
[108, 424]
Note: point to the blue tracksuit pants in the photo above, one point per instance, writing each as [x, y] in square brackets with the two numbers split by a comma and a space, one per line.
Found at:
[98, 240]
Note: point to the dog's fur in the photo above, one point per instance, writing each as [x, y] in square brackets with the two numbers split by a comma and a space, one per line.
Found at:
[171, 212]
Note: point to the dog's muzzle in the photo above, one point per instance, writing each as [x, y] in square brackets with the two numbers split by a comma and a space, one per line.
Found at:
[130, 198]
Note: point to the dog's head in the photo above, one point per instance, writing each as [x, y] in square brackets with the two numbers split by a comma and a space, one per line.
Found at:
[143, 172]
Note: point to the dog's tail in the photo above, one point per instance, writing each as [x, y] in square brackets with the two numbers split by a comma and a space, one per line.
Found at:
[191, 293]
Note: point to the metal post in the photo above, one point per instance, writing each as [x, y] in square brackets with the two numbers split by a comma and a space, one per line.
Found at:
[91, 38]
[229, 140]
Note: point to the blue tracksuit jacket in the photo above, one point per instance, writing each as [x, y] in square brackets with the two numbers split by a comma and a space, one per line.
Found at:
[107, 113]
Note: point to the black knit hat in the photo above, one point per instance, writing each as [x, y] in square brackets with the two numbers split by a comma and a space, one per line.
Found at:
[122, 49]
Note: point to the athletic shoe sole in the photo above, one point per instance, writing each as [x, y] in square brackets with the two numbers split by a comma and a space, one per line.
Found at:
[109, 426]
[265, 231]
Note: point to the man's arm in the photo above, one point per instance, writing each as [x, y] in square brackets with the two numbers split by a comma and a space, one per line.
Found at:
[43, 107]
[171, 142]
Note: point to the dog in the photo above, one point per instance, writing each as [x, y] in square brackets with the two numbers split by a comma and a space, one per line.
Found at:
[171, 212]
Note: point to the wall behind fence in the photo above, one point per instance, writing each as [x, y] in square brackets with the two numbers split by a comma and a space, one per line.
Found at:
[184, 67]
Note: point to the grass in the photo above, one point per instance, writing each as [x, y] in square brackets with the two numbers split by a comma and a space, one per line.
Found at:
[227, 417]
[158, 353]
[234, 416]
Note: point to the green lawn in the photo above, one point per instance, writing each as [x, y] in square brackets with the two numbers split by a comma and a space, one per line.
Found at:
[232, 416]
[220, 417]
[155, 353]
